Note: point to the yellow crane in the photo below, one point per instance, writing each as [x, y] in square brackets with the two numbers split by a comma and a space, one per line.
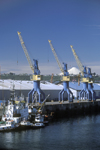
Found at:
[41, 106]
[77, 60]
[87, 80]
[36, 77]
[56, 57]
[65, 77]
[51, 80]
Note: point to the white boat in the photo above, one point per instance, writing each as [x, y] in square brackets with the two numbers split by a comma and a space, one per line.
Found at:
[41, 119]
[25, 124]
[8, 125]
[15, 110]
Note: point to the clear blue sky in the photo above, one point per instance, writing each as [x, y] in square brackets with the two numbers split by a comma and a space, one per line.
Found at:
[65, 22]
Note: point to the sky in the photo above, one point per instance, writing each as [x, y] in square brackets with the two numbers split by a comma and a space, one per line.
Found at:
[64, 22]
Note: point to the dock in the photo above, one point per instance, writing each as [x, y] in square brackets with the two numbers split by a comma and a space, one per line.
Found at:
[66, 108]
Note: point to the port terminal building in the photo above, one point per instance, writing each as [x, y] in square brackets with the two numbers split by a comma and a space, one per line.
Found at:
[22, 88]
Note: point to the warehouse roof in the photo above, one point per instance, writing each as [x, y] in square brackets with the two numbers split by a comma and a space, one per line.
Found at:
[74, 85]
[26, 85]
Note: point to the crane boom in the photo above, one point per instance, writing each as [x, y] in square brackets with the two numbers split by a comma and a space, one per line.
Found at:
[77, 60]
[55, 55]
[43, 103]
[25, 51]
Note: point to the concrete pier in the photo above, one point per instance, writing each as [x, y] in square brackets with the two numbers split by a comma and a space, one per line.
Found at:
[76, 107]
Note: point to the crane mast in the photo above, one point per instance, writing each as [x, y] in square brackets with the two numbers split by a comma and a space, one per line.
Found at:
[81, 67]
[36, 77]
[25, 51]
[77, 60]
[55, 55]
[87, 92]
[65, 78]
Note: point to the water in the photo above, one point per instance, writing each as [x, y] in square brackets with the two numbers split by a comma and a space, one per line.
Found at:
[81, 133]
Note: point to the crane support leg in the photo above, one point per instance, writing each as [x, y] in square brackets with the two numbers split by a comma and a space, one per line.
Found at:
[33, 100]
[38, 90]
[60, 94]
[69, 95]
[66, 89]
[93, 95]
[92, 92]
[29, 95]
[71, 98]
[40, 93]
[63, 95]
[81, 94]
[85, 93]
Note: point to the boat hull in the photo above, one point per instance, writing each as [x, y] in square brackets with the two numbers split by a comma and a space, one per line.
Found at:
[8, 129]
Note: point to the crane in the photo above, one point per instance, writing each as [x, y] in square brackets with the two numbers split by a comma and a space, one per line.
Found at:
[51, 80]
[65, 77]
[43, 103]
[56, 57]
[87, 91]
[77, 60]
[36, 77]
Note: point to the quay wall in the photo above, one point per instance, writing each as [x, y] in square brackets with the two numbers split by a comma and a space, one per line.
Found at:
[67, 109]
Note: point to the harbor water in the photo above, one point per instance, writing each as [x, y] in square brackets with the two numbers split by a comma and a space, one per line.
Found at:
[78, 133]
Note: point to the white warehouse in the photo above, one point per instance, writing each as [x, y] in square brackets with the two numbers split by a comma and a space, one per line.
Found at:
[23, 88]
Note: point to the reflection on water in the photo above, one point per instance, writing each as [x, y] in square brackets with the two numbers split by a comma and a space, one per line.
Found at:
[82, 133]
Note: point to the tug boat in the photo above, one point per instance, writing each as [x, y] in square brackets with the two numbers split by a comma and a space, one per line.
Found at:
[8, 125]
[39, 118]
[15, 110]
[25, 124]
[28, 125]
